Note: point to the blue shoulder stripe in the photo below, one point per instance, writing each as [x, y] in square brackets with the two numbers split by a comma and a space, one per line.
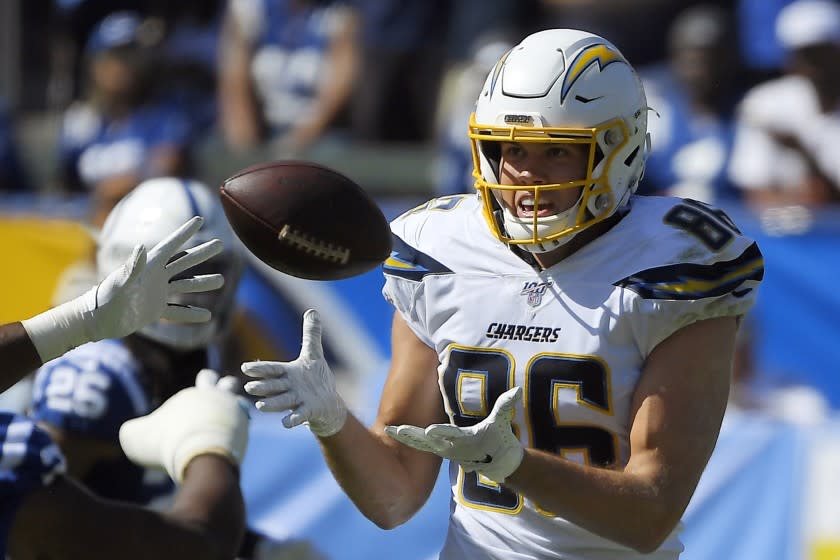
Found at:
[695, 281]
[409, 263]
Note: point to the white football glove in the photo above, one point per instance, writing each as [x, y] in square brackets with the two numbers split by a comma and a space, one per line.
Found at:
[305, 386]
[489, 447]
[131, 297]
[207, 418]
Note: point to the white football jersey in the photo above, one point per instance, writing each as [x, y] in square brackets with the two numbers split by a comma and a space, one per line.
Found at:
[574, 336]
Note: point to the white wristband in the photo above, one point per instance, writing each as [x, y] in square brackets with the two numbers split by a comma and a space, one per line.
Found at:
[61, 328]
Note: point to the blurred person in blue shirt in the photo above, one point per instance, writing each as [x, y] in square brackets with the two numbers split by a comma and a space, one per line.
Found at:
[404, 50]
[119, 134]
[694, 96]
[287, 71]
[70, 24]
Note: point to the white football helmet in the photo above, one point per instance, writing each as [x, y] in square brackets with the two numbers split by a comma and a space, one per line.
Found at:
[561, 86]
[149, 213]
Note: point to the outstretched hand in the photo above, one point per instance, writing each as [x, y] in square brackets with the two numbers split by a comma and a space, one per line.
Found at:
[139, 292]
[305, 386]
[131, 297]
[489, 447]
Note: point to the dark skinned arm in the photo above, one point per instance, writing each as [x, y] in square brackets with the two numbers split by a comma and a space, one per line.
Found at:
[65, 521]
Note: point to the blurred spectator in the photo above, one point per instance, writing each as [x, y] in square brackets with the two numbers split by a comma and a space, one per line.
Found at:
[190, 53]
[13, 177]
[637, 27]
[70, 24]
[761, 50]
[404, 54]
[119, 135]
[287, 70]
[455, 165]
[472, 21]
[789, 128]
[480, 32]
[189, 31]
[694, 96]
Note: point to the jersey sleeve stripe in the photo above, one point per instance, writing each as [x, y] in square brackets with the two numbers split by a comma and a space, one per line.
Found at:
[407, 262]
[696, 281]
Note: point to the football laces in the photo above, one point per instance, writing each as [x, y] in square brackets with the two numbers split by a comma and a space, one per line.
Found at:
[313, 246]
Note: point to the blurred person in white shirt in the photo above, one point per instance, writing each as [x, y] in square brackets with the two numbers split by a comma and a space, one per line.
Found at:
[789, 127]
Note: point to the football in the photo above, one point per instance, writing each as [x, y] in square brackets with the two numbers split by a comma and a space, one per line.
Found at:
[306, 220]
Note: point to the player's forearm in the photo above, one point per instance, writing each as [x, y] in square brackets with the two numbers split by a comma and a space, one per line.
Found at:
[334, 92]
[210, 498]
[206, 520]
[372, 475]
[18, 355]
[64, 520]
[238, 111]
[633, 509]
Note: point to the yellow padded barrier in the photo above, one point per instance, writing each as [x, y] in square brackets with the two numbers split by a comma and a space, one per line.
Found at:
[35, 252]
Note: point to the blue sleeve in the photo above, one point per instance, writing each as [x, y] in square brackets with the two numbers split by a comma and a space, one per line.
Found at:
[88, 393]
[28, 460]
[454, 174]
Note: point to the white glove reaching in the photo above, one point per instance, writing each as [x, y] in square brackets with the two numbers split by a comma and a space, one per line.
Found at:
[131, 297]
[489, 447]
[207, 418]
[305, 386]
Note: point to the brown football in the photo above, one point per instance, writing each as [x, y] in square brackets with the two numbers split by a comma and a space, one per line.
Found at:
[306, 220]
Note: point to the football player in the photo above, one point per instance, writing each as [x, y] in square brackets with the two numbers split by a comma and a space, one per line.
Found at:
[565, 344]
[43, 512]
[84, 396]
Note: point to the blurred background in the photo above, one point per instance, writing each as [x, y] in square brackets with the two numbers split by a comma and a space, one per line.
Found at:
[98, 95]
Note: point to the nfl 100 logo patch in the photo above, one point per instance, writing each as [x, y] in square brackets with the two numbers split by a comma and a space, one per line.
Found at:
[534, 291]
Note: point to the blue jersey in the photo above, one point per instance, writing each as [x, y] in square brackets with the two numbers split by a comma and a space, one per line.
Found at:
[28, 460]
[93, 148]
[89, 392]
[454, 173]
[690, 153]
[290, 47]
